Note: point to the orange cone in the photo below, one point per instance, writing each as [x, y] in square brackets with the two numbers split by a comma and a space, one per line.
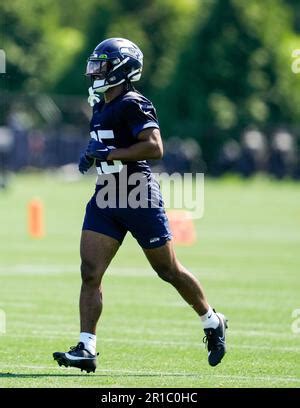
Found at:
[36, 218]
[182, 227]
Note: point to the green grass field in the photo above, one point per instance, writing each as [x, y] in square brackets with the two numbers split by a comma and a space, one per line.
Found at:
[247, 258]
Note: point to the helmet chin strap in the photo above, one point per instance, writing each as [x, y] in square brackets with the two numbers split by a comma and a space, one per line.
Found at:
[99, 87]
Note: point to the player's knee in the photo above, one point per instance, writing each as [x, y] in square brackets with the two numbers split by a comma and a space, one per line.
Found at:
[89, 274]
[169, 273]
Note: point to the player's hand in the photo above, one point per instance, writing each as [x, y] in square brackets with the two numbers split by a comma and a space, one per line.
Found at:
[85, 163]
[97, 150]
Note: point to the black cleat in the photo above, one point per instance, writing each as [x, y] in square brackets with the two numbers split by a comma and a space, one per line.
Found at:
[77, 357]
[215, 341]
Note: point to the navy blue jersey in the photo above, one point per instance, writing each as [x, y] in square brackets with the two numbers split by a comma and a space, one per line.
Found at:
[118, 123]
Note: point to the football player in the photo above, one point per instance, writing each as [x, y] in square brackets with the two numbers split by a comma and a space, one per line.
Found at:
[125, 134]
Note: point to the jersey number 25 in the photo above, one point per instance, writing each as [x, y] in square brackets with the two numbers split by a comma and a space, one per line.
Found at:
[105, 167]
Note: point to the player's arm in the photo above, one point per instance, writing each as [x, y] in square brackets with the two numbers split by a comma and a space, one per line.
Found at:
[148, 147]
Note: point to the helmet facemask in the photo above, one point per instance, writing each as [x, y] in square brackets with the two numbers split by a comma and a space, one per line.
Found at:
[105, 73]
[99, 70]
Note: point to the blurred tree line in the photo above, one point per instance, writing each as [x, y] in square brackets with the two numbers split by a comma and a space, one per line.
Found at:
[212, 67]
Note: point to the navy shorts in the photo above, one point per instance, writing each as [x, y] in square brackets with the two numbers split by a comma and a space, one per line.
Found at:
[149, 226]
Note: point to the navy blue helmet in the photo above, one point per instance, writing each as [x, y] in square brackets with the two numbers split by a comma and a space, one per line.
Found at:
[114, 61]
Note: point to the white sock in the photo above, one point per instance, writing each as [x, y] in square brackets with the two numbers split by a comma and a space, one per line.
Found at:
[210, 320]
[89, 341]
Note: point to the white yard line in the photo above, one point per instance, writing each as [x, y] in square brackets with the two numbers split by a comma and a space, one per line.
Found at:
[199, 344]
[241, 333]
[48, 269]
[16, 270]
[158, 343]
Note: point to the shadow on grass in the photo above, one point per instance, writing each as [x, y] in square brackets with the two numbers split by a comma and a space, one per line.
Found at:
[20, 375]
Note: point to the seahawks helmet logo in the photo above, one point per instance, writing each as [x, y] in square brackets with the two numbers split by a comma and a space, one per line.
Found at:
[132, 52]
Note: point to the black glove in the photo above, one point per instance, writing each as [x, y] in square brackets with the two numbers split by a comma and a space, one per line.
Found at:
[97, 150]
[85, 162]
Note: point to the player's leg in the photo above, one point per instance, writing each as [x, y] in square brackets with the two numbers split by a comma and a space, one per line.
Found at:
[96, 250]
[163, 260]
